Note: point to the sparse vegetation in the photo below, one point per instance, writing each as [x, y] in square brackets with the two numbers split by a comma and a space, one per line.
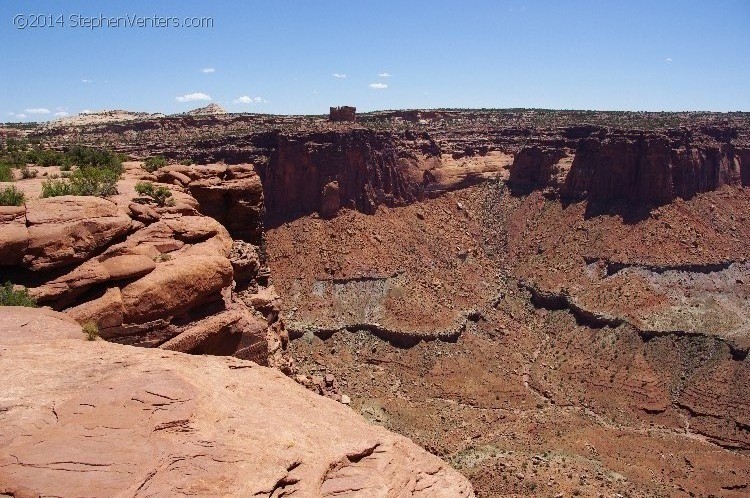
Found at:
[27, 172]
[153, 163]
[11, 196]
[91, 329]
[96, 174]
[6, 172]
[11, 297]
[161, 195]
[162, 258]
[83, 181]
[85, 157]
[186, 162]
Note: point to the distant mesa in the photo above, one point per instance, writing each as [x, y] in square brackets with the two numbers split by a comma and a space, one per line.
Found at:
[101, 117]
[209, 110]
[343, 113]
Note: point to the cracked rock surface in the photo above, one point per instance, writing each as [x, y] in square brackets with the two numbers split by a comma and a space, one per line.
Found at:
[100, 419]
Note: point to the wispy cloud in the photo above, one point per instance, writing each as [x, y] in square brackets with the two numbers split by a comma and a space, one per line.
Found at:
[338, 75]
[192, 97]
[248, 100]
[668, 60]
[21, 116]
[61, 114]
[384, 75]
[87, 81]
[208, 70]
[37, 110]
[378, 86]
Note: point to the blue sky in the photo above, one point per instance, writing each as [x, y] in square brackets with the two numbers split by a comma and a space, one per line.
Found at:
[295, 56]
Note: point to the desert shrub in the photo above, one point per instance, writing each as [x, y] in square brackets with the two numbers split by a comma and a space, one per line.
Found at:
[44, 157]
[56, 188]
[11, 196]
[89, 180]
[153, 163]
[186, 162]
[161, 195]
[84, 157]
[6, 172]
[91, 329]
[11, 297]
[27, 172]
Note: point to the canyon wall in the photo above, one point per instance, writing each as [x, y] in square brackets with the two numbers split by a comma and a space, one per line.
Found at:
[322, 172]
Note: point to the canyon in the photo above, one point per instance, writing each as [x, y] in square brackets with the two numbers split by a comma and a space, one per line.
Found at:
[554, 303]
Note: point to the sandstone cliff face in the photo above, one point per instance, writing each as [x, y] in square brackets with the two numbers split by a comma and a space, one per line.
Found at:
[649, 171]
[363, 163]
[98, 419]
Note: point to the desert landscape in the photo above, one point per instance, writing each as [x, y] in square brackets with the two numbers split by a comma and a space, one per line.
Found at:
[425, 302]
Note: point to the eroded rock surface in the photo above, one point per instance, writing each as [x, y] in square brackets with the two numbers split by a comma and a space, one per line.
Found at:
[99, 419]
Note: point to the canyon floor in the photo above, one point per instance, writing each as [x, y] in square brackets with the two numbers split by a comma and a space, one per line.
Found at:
[554, 303]
[525, 401]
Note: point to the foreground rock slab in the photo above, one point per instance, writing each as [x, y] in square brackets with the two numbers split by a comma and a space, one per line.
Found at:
[99, 419]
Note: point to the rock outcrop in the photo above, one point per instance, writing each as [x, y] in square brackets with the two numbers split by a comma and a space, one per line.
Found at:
[99, 419]
[147, 275]
[364, 165]
[648, 170]
[344, 113]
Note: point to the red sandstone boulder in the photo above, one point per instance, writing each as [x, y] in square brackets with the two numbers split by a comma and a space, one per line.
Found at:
[14, 236]
[330, 201]
[175, 287]
[70, 229]
[106, 312]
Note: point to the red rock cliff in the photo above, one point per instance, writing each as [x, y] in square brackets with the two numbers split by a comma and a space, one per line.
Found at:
[316, 172]
[649, 170]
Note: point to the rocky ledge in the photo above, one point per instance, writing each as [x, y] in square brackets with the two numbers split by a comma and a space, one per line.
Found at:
[146, 275]
[101, 419]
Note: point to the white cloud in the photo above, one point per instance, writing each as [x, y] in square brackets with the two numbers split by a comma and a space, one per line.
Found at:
[191, 97]
[248, 100]
[86, 81]
[38, 110]
[668, 60]
[208, 70]
[21, 116]
[61, 114]
[378, 86]
[338, 75]
[384, 75]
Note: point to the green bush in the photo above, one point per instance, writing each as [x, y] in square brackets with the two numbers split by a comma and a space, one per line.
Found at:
[153, 163]
[6, 172]
[11, 196]
[98, 158]
[44, 157]
[83, 181]
[161, 195]
[10, 297]
[186, 162]
[56, 188]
